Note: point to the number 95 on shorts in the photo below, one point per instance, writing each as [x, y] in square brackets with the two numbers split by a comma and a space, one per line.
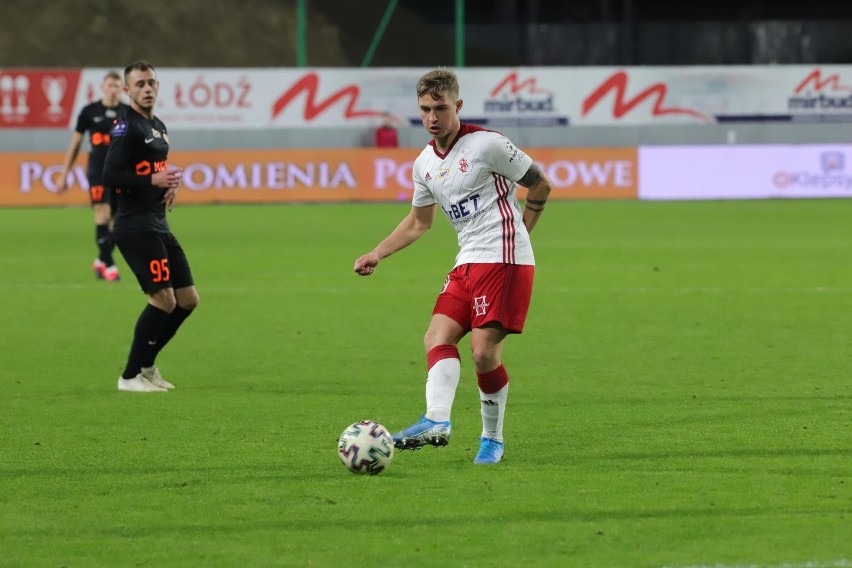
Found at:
[156, 259]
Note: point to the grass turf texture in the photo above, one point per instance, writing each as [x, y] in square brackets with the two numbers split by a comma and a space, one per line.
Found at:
[681, 396]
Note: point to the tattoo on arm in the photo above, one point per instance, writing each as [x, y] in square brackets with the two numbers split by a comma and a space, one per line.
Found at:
[532, 176]
[530, 179]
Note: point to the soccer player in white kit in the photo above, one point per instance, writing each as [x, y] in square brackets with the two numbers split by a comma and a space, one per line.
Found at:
[470, 173]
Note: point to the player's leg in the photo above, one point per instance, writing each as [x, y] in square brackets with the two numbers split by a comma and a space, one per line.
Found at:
[186, 300]
[104, 265]
[449, 323]
[501, 299]
[112, 268]
[186, 295]
[443, 366]
[486, 343]
[96, 198]
[442, 379]
[144, 254]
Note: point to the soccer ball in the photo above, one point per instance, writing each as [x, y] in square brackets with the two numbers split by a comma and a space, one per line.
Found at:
[365, 447]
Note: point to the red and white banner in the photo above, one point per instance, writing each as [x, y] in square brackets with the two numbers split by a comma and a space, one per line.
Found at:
[251, 98]
[37, 98]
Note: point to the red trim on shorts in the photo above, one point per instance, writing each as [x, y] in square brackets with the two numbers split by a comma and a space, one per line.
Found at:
[493, 380]
[439, 353]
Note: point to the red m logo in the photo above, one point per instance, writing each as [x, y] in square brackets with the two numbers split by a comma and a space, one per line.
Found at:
[816, 78]
[310, 83]
[511, 82]
[618, 82]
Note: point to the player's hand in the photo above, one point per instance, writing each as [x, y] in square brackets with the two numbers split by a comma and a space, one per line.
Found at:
[176, 175]
[366, 264]
[170, 197]
[167, 179]
[62, 186]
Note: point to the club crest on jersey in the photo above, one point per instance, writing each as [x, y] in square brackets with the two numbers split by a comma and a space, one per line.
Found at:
[463, 166]
[156, 133]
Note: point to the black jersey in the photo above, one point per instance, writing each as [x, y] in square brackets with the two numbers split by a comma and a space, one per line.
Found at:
[98, 119]
[139, 147]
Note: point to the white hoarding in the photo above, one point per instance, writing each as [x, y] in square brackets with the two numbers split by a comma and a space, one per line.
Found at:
[745, 172]
[253, 98]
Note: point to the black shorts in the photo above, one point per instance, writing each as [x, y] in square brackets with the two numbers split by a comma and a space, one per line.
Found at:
[157, 260]
[98, 193]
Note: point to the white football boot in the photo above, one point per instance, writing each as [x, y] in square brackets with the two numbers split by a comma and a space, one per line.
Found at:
[155, 378]
[137, 384]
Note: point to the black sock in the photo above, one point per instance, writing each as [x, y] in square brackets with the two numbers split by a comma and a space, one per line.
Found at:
[103, 238]
[176, 318]
[149, 327]
[110, 247]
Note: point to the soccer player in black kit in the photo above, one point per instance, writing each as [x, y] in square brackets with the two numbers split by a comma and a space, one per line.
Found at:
[98, 118]
[137, 165]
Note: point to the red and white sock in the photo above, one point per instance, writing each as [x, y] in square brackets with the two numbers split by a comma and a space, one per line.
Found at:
[444, 370]
[493, 392]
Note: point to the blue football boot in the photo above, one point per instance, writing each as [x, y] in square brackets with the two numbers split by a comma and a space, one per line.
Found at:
[421, 433]
[490, 451]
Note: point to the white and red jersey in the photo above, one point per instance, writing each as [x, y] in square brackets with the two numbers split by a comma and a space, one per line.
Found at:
[474, 184]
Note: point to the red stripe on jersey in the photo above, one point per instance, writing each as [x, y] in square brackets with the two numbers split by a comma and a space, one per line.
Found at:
[499, 189]
[508, 217]
[505, 213]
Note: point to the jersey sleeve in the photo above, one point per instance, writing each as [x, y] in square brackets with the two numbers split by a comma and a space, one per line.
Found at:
[82, 121]
[116, 168]
[422, 194]
[506, 159]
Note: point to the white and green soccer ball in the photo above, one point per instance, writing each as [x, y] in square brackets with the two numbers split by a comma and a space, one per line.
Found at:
[365, 447]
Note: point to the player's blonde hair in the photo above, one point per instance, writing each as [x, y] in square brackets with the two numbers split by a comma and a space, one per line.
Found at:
[440, 83]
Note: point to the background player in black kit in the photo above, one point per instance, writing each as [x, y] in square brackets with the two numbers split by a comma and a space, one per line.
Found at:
[137, 165]
[98, 118]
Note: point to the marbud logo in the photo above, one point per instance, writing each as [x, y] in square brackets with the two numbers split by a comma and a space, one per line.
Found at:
[513, 95]
[309, 84]
[623, 105]
[815, 78]
[514, 87]
[520, 102]
[818, 94]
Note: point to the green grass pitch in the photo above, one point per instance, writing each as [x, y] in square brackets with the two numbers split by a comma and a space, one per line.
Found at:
[682, 395]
